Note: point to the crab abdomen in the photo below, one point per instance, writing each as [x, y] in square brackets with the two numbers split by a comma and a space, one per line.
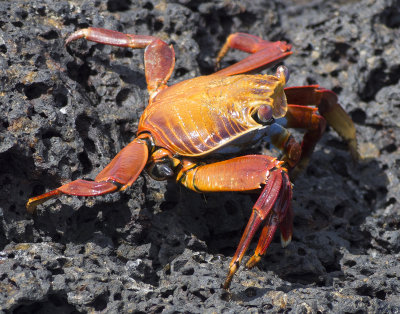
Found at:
[198, 116]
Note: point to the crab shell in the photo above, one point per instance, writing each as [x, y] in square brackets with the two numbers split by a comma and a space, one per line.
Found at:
[189, 123]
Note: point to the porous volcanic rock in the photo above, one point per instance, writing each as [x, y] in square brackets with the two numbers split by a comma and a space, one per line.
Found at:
[157, 247]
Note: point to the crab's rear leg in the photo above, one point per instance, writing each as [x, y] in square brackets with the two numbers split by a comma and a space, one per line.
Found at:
[282, 218]
[300, 115]
[248, 173]
[119, 174]
[159, 58]
[272, 210]
[263, 53]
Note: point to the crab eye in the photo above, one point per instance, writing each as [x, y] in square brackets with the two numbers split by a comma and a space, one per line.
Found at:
[264, 114]
[283, 71]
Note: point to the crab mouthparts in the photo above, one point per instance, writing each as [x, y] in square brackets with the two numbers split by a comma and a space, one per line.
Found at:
[279, 104]
[279, 98]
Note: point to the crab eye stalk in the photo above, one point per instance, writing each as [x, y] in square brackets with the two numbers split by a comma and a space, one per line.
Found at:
[282, 72]
[264, 114]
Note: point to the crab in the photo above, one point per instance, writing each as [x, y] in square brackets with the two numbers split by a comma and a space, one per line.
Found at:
[193, 132]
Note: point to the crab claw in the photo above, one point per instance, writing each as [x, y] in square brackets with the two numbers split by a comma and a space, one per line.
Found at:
[272, 210]
[119, 174]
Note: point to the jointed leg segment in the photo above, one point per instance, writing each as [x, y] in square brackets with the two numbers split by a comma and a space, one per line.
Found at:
[300, 115]
[159, 58]
[263, 53]
[272, 209]
[119, 174]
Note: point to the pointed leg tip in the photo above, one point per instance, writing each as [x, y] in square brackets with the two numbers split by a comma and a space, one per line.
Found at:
[31, 206]
[353, 147]
[227, 283]
[232, 270]
[33, 202]
[285, 242]
[253, 261]
[77, 34]
[217, 65]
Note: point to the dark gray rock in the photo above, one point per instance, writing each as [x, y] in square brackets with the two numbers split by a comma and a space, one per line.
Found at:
[157, 247]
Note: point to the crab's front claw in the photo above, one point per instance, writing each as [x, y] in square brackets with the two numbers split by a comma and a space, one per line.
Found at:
[273, 210]
[119, 174]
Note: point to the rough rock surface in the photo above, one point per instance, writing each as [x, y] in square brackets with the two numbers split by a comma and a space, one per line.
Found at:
[66, 111]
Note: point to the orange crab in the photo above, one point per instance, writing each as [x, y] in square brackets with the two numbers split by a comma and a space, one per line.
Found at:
[188, 128]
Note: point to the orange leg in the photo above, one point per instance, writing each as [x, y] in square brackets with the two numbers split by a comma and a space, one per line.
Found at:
[119, 174]
[247, 173]
[159, 58]
[263, 53]
[299, 115]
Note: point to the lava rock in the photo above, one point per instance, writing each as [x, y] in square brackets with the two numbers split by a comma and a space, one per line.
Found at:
[157, 247]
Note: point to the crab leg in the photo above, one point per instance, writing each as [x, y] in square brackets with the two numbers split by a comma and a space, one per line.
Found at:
[301, 116]
[248, 173]
[119, 174]
[283, 140]
[271, 208]
[159, 58]
[305, 118]
[283, 218]
[263, 53]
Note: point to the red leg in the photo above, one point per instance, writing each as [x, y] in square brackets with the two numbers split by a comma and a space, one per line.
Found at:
[300, 116]
[159, 58]
[248, 173]
[119, 174]
[270, 209]
[263, 53]
[282, 217]
[305, 118]
[286, 227]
